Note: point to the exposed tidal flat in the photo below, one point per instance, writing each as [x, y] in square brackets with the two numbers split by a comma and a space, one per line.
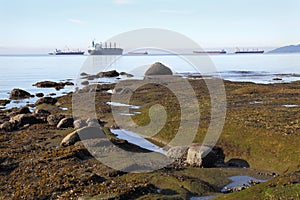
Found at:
[42, 156]
[261, 134]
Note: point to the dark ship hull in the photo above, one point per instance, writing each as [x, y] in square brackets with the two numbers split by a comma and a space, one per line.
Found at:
[209, 52]
[67, 53]
[239, 52]
[106, 51]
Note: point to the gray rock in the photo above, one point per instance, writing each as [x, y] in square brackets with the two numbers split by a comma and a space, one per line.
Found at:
[79, 123]
[70, 139]
[86, 133]
[7, 126]
[177, 152]
[92, 122]
[54, 119]
[19, 94]
[46, 100]
[66, 122]
[205, 156]
[158, 69]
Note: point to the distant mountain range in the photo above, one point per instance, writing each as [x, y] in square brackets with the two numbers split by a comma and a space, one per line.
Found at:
[287, 49]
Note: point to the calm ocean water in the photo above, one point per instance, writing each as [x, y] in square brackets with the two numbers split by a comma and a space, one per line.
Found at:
[23, 71]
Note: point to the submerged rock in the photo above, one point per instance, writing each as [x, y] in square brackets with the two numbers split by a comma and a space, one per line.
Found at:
[39, 94]
[85, 83]
[4, 102]
[50, 84]
[19, 94]
[158, 69]
[112, 73]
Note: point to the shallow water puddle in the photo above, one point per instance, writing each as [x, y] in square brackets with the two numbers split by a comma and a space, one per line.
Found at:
[240, 181]
[290, 105]
[123, 104]
[202, 198]
[137, 140]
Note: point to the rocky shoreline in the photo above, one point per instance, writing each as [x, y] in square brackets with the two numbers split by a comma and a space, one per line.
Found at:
[43, 157]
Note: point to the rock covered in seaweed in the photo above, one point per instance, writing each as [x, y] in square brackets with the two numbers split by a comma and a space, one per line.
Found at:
[19, 94]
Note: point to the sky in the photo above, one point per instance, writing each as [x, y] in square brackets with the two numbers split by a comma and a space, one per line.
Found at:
[40, 26]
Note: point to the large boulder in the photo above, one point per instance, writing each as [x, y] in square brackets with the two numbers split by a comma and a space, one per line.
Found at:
[70, 139]
[54, 119]
[158, 69]
[205, 156]
[66, 122]
[85, 133]
[177, 152]
[46, 100]
[19, 94]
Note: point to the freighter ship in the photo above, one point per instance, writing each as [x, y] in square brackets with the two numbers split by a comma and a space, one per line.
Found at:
[237, 51]
[210, 52]
[66, 52]
[106, 49]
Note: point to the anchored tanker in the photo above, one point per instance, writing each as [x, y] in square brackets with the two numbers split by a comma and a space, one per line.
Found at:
[100, 49]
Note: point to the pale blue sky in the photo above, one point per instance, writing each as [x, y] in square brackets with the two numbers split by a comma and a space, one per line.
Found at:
[44, 25]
